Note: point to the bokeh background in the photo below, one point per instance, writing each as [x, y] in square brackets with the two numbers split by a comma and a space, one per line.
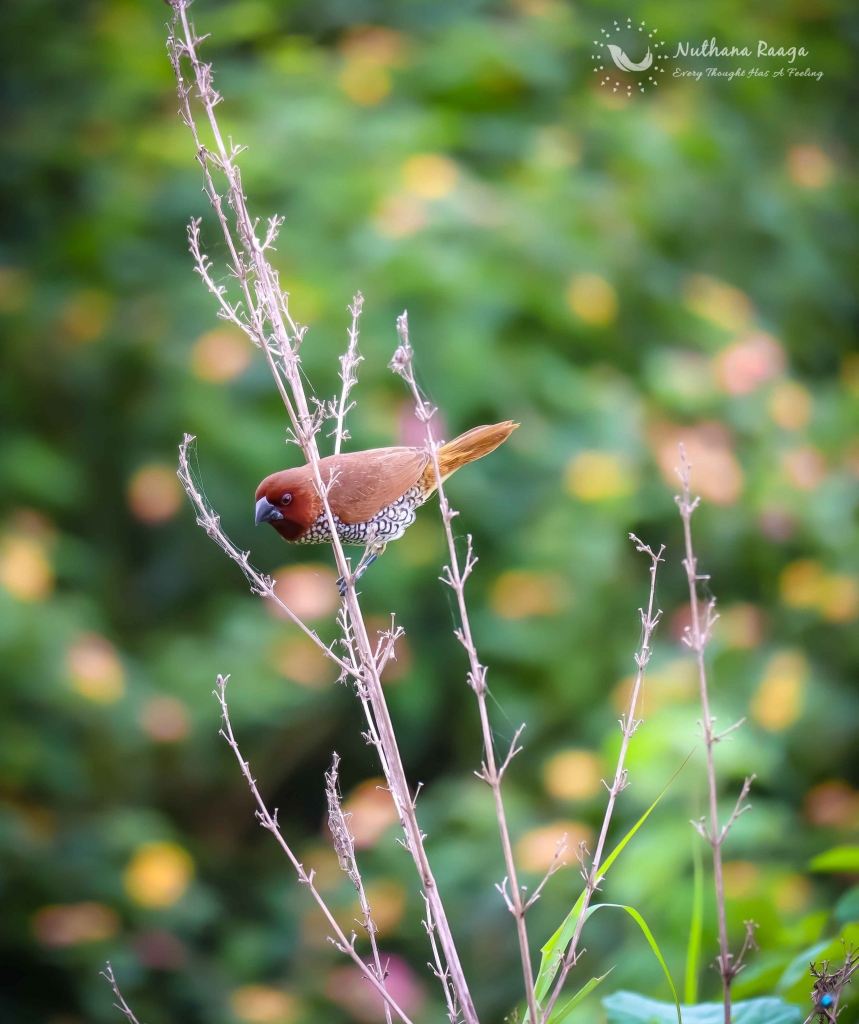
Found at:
[617, 275]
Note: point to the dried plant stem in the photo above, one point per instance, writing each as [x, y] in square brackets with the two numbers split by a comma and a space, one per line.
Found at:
[697, 637]
[267, 321]
[122, 1005]
[455, 576]
[438, 969]
[829, 986]
[344, 845]
[348, 374]
[269, 821]
[628, 724]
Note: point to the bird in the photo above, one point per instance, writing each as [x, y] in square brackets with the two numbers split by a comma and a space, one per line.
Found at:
[373, 495]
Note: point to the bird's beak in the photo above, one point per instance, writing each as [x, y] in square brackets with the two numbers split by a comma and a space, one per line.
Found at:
[266, 512]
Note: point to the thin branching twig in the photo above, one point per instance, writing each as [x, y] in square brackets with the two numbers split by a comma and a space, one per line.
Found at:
[269, 821]
[629, 725]
[697, 636]
[122, 1005]
[344, 846]
[348, 374]
[455, 576]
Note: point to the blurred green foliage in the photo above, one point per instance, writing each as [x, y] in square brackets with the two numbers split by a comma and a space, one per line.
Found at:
[615, 274]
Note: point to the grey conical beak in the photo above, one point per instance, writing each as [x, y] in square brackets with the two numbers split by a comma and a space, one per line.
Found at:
[266, 512]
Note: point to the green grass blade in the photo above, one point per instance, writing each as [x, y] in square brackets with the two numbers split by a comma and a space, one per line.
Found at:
[696, 926]
[556, 946]
[639, 920]
[561, 1015]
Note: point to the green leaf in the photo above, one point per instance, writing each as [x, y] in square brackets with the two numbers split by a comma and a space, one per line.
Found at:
[839, 858]
[630, 1008]
[639, 920]
[847, 908]
[561, 1015]
[797, 969]
[693, 950]
[556, 946]
[554, 950]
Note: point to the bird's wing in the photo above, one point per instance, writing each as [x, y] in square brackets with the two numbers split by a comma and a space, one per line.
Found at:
[366, 482]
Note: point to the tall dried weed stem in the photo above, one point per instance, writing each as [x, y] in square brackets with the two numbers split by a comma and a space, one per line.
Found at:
[697, 636]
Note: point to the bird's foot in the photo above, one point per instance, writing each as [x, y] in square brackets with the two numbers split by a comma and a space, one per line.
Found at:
[365, 566]
[367, 560]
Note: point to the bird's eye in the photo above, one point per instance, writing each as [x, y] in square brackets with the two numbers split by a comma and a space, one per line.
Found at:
[286, 499]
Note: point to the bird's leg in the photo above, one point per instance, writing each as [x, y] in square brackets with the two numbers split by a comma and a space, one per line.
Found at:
[371, 553]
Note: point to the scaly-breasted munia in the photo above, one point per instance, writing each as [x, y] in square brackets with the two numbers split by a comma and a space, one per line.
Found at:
[373, 495]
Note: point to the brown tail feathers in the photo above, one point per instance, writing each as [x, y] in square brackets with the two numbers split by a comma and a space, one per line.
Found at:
[471, 445]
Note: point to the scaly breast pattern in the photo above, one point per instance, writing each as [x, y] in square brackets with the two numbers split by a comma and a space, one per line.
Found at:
[389, 524]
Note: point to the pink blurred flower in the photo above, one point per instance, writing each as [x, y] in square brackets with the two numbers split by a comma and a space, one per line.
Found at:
[741, 368]
[347, 987]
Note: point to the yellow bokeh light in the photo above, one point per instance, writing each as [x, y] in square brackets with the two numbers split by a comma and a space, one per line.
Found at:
[72, 924]
[364, 83]
[221, 355]
[599, 476]
[375, 44]
[807, 584]
[839, 598]
[309, 590]
[387, 900]
[372, 811]
[400, 216]
[741, 878]
[154, 494]
[25, 568]
[741, 626]
[158, 874]
[675, 683]
[801, 583]
[301, 660]
[323, 862]
[790, 406]
[573, 775]
[792, 894]
[85, 316]
[537, 848]
[777, 703]
[720, 303]
[369, 52]
[429, 175]
[263, 1004]
[592, 299]
[521, 594]
[809, 167]
[94, 669]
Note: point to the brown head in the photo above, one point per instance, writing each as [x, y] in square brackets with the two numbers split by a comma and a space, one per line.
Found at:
[288, 500]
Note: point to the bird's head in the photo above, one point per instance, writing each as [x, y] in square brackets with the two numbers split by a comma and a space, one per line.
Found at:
[288, 500]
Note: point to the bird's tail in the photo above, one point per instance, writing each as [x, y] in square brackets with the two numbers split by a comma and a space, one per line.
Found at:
[471, 445]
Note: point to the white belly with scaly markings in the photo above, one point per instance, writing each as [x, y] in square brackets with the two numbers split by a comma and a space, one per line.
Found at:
[387, 525]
